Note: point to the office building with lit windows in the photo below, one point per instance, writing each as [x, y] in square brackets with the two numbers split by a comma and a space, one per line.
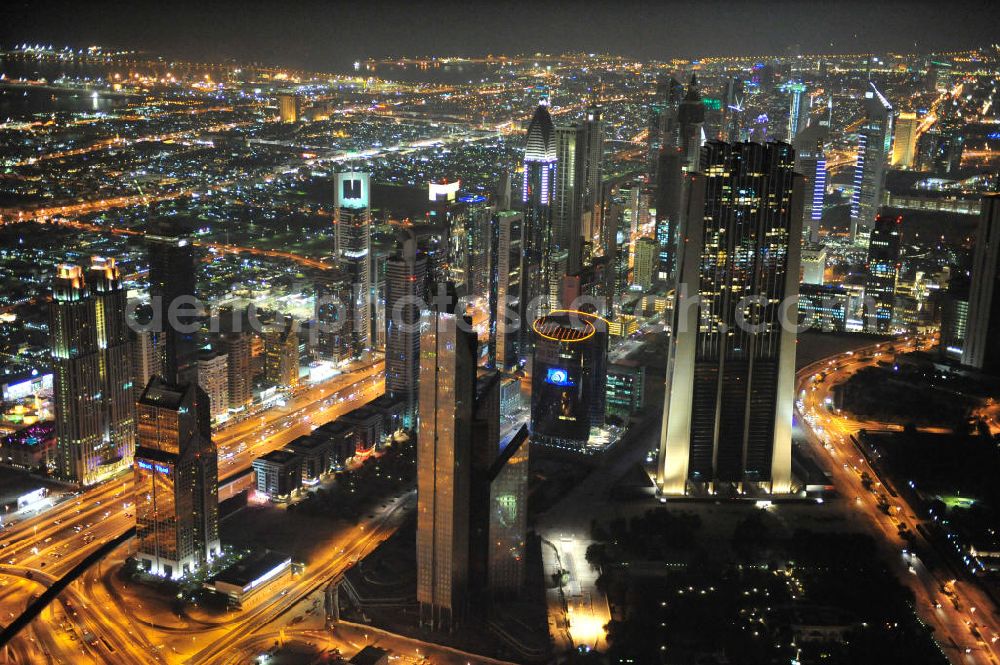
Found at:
[798, 113]
[289, 107]
[883, 272]
[569, 370]
[731, 363]
[904, 144]
[663, 132]
[213, 377]
[874, 142]
[352, 249]
[444, 440]
[92, 373]
[568, 201]
[508, 516]
[405, 289]
[506, 290]
[982, 330]
[537, 192]
[281, 354]
[691, 123]
[593, 173]
[811, 146]
[176, 483]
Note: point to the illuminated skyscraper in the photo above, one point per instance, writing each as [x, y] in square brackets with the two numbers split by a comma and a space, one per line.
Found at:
[506, 297]
[593, 174]
[644, 267]
[172, 281]
[982, 332]
[569, 376]
[568, 202]
[239, 378]
[176, 463]
[883, 271]
[691, 122]
[663, 128]
[904, 144]
[874, 141]
[331, 311]
[811, 146]
[797, 114]
[147, 356]
[405, 290]
[671, 185]
[213, 377]
[508, 512]
[537, 189]
[352, 248]
[176, 483]
[92, 374]
[447, 396]
[281, 354]
[731, 363]
[289, 107]
[115, 352]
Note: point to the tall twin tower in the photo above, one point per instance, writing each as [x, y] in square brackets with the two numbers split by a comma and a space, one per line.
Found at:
[728, 223]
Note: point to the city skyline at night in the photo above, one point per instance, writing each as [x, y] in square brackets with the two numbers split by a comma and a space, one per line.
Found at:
[510, 334]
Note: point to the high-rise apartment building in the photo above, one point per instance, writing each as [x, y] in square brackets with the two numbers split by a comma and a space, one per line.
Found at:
[352, 248]
[447, 396]
[731, 362]
[147, 356]
[874, 141]
[982, 331]
[213, 377]
[239, 378]
[115, 354]
[882, 274]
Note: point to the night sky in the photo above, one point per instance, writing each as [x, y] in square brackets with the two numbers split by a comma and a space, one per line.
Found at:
[330, 35]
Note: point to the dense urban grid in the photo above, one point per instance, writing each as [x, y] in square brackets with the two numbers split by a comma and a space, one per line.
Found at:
[510, 359]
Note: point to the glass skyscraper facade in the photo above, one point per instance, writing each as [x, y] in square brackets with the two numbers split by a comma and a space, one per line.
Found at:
[731, 362]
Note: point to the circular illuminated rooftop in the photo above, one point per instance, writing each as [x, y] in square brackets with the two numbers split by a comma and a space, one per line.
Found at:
[565, 326]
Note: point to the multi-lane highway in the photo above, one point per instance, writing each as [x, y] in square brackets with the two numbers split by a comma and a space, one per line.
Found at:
[965, 606]
[49, 544]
